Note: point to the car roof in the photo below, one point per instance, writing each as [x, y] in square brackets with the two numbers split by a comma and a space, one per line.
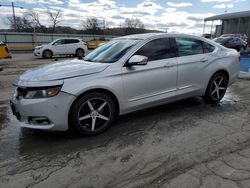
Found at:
[157, 35]
[68, 38]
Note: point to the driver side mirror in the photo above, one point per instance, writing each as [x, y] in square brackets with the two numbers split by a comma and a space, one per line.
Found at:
[137, 60]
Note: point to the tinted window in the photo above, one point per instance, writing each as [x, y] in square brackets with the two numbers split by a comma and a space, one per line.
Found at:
[231, 40]
[238, 41]
[71, 41]
[221, 40]
[59, 42]
[157, 49]
[208, 48]
[189, 46]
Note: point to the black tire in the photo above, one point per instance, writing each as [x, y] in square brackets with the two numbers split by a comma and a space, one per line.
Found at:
[215, 93]
[47, 54]
[80, 52]
[83, 118]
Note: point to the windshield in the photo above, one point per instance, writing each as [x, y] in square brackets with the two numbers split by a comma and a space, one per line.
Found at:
[111, 51]
[221, 40]
[226, 35]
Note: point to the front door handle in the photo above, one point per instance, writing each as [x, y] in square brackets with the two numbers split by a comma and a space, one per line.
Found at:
[169, 65]
[203, 60]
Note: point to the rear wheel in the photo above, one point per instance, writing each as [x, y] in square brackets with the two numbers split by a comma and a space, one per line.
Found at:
[47, 54]
[216, 88]
[79, 52]
[93, 113]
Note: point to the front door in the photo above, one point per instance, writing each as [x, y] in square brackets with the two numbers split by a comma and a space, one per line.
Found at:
[152, 82]
[59, 47]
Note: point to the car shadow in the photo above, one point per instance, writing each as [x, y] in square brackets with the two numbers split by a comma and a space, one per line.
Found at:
[45, 141]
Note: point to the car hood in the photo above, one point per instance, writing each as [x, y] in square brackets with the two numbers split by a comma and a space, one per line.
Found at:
[62, 70]
[42, 45]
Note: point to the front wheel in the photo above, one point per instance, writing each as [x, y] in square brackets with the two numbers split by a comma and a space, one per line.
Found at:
[216, 88]
[93, 113]
[47, 54]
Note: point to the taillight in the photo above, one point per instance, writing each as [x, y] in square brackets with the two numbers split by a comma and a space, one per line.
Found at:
[239, 57]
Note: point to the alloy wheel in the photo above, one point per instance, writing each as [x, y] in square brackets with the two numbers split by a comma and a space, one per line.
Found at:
[94, 114]
[218, 87]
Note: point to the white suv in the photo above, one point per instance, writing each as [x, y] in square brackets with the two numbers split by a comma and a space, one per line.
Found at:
[72, 46]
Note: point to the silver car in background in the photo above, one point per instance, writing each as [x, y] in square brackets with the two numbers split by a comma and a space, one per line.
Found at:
[124, 75]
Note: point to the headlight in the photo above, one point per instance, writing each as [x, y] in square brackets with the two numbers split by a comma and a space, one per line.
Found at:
[41, 93]
[38, 48]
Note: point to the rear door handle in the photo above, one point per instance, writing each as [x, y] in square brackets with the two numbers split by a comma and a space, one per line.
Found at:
[203, 60]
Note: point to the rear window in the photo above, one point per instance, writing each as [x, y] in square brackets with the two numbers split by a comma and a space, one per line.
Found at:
[187, 46]
[208, 48]
[71, 41]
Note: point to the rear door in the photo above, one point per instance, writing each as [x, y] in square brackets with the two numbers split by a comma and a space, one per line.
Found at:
[71, 45]
[193, 58]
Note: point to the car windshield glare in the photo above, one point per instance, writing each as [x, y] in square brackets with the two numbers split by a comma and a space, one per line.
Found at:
[221, 40]
[111, 51]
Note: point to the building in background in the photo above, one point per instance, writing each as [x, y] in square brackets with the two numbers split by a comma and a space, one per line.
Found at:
[231, 23]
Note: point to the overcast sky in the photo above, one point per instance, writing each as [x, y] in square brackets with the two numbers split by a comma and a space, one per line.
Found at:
[174, 16]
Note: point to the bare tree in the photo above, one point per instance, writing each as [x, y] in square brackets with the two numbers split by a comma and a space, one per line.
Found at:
[54, 17]
[134, 23]
[91, 24]
[35, 20]
[21, 23]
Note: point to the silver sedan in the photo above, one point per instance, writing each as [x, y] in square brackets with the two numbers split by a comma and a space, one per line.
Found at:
[124, 75]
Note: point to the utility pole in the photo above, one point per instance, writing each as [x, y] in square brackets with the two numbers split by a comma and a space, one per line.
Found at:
[104, 26]
[13, 12]
[14, 16]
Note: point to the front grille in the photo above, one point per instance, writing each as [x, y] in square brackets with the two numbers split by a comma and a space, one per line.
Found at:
[20, 93]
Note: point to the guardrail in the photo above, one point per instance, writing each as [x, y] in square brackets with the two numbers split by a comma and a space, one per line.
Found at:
[20, 41]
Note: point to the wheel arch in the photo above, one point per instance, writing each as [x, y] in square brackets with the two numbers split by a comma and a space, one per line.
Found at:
[47, 50]
[79, 48]
[100, 90]
[224, 71]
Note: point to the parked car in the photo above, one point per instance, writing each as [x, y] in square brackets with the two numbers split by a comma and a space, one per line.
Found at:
[92, 44]
[207, 36]
[72, 46]
[4, 51]
[232, 42]
[241, 35]
[124, 75]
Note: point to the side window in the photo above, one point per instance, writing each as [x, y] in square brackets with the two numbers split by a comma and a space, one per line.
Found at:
[71, 41]
[238, 41]
[59, 42]
[231, 41]
[207, 48]
[157, 49]
[189, 46]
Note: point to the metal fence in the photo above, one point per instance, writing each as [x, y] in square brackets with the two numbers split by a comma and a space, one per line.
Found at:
[18, 41]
